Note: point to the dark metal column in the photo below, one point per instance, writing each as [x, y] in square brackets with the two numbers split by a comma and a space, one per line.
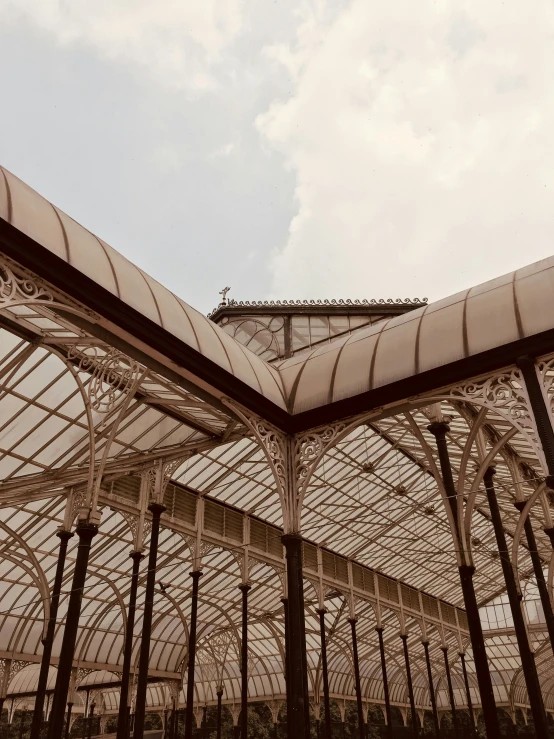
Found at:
[244, 588]
[379, 631]
[468, 695]
[488, 703]
[38, 713]
[432, 691]
[326, 701]
[352, 622]
[86, 532]
[285, 602]
[91, 719]
[539, 573]
[404, 638]
[540, 411]
[219, 708]
[156, 509]
[68, 720]
[450, 692]
[123, 716]
[297, 684]
[527, 658]
[192, 653]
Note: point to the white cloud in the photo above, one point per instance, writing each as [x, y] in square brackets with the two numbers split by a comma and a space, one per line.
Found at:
[176, 41]
[421, 138]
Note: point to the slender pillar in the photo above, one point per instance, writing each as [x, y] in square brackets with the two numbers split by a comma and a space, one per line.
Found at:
[404, 638]
[123, 715]
[326, 701]
[379, 631]
[539, 573]
[219, 708]
[297, 684]
[192, 653]
[21, 724]
[86, 532]
[244, 588]
[450, 692]
[91, 719]
[540, 411]
[68, 720]
[468, 695]
[275, 734]
[432, 691]
[527, 658]
[352, 622]
[285, 602]
[38, 713]
[488, 703]
[156, 509]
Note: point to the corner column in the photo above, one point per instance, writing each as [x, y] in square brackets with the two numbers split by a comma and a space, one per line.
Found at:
[36, 723]
[192, 654]
[156, 509]
[219, 708]
[432, 690]
[244, 588]
[296, 651]
[361, 732]
[326, 701]
[379, 631]
[488, 703]
[450, 691]
[86, 532]
[124, 708]
[404, 638]
[527, 658]
[468, 695]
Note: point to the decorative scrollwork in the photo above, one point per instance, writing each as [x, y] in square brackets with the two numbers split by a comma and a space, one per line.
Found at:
[274, 445]
[545, 368]
[112, 375]
[504, 393]
[17, 290]
[309, 448]
[306, 303]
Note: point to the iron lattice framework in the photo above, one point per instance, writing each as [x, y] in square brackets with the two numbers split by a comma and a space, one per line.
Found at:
[92, 430]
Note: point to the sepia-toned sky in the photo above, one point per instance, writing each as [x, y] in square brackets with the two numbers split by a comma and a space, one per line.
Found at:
[290, 149]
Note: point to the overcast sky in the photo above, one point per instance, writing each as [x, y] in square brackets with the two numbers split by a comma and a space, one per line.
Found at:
[290, 149]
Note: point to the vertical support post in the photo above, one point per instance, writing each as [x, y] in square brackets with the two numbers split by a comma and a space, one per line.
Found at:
[38, 713]
[68, 720]
[539, 573]
[91, 719]
[192, 653]
[124, 708]
[360, 707]
[526, 655]
[432, 691]
[379, 631]
[285, 602]
[325, 672]
[468, 695]
[244, 588]
[404, 638]
[86, 532]
[219, 708]
[296, 652]
[156, 509]
[450, 691]
[466, 571]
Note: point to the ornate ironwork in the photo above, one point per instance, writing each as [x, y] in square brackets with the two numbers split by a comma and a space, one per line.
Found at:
[333, 302]
[112, 375]
[15, 289]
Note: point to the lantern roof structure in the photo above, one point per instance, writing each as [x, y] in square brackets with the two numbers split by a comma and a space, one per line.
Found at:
[109, 380]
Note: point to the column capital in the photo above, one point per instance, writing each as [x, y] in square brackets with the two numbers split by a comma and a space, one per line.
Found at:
[64, 535]
[86, 531]
[520, 504]
[245, 587]
[136, 555]
[439, 429]
[404, 637]
[489, 472]
[156, 508]
[196, 574]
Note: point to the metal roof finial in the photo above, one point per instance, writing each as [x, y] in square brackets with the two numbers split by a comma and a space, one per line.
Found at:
[223, 293]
